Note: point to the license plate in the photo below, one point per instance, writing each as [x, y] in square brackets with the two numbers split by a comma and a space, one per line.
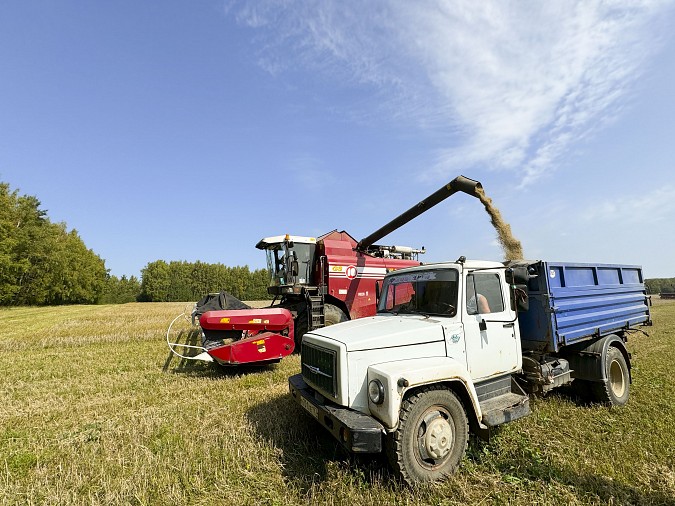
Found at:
[309, 407]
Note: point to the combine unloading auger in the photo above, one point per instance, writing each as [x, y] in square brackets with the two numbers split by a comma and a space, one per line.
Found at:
[459, 184]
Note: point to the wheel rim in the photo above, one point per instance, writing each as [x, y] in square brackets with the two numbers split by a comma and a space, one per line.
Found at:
[616, 379]
[435, 437]
[438, 439]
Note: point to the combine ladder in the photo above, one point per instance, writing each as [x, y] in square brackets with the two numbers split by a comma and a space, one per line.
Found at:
[317, 317]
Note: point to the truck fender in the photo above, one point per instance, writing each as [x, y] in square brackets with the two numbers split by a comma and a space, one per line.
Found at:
[401, 376]
[586, 360]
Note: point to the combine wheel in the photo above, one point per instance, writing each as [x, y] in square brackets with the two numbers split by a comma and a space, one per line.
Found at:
[333, 315]
[301, 328]
[431, 438]
[615, 391]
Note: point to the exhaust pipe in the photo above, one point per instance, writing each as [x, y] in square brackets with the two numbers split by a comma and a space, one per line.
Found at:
[459, 184]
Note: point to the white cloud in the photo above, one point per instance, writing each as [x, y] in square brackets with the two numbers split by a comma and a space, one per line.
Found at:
[652, 207]
[510, 84]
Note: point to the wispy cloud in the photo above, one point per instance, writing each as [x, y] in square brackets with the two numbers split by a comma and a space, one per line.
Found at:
[655, 206]
[308, 173]
[511, 85]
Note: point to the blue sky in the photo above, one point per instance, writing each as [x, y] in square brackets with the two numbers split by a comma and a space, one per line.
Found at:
[188, 130]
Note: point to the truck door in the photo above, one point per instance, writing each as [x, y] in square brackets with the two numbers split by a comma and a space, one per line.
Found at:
[492, 344]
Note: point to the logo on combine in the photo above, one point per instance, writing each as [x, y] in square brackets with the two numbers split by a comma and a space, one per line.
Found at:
[351, 272]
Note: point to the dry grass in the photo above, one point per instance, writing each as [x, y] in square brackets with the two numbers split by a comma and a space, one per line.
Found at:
[89, 416]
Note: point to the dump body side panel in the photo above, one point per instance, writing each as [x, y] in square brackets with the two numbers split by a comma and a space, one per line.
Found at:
[572, 302]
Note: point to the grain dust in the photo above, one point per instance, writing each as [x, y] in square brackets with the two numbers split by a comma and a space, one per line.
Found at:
[513, 249]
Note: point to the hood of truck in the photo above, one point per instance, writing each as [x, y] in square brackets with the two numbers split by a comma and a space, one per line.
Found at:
[386, 331]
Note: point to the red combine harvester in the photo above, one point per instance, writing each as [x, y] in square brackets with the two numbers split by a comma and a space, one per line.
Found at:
[314, 281]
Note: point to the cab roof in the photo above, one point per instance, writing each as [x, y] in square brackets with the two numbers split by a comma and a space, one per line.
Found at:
[266, 242]
[467, 264]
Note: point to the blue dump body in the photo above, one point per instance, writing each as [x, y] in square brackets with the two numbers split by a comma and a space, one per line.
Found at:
[572, 302]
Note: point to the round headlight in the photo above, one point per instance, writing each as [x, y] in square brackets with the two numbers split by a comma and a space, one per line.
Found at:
[376, 391]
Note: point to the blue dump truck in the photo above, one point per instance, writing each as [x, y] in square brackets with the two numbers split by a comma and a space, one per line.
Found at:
[460, 346]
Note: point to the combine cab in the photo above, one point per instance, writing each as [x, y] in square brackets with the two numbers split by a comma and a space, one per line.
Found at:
[314, 281]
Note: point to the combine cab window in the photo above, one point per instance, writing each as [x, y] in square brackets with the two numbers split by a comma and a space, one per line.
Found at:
[432, 292]
[273, 267]
[304, 254]
[288, 266]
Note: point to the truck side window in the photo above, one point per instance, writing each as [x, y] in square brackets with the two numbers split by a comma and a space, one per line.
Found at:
[483, 293]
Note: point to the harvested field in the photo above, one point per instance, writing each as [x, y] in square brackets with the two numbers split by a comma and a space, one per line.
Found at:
[89, 416]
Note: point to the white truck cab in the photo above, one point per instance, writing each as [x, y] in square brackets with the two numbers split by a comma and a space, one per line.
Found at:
[438, 356]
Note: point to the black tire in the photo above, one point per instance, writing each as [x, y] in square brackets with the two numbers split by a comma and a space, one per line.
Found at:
[432, 436]
[615, 391]
[333, 314]
[301, 328]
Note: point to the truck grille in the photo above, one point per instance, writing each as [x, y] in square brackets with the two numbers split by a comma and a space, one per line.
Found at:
[318, 368]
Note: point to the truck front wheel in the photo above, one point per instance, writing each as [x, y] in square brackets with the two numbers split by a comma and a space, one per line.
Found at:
[431, 438]
[615, 391]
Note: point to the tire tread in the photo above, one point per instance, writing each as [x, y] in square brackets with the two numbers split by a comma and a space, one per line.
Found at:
[394, 444]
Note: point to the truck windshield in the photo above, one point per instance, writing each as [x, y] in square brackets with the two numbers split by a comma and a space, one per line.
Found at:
[290, 265]
[431, 292]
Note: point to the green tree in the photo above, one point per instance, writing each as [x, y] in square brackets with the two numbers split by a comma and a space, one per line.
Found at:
[120, 290]
[41, 262]
[186, 281]
[660, 285]
[155, 282]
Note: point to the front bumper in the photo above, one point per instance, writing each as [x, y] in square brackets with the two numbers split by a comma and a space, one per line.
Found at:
[357, 432]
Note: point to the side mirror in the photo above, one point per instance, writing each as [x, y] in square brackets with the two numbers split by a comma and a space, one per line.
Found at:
[482, 325]
[518, 275]
[520, 299]
[508, 275]
[295, 268]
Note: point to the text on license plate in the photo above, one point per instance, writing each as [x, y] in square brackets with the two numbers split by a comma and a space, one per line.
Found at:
[309, 407]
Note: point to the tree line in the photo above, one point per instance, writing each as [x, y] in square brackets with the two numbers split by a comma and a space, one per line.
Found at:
[185, 281]
[660, 285]
[42, 263]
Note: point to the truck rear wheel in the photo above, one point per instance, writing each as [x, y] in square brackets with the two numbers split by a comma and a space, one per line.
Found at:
[613, 392]
[431, 438]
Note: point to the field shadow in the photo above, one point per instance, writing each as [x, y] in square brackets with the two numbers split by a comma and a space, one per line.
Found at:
[579, 393]
[307, 452]
[307, 449]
